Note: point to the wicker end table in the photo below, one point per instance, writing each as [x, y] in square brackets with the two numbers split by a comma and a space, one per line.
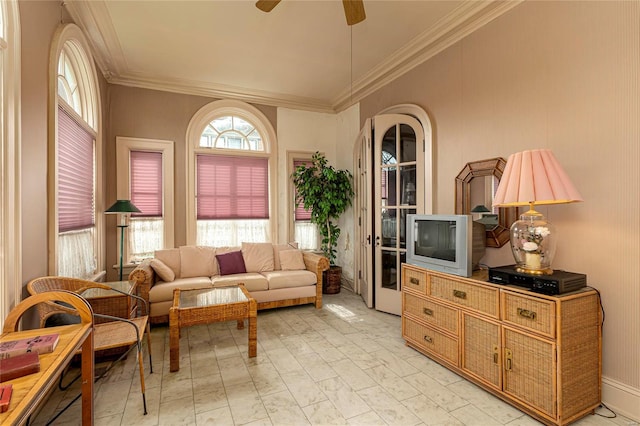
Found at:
[112, 303]
[205, 306]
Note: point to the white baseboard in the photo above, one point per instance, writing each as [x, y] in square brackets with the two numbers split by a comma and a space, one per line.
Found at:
[622, 399]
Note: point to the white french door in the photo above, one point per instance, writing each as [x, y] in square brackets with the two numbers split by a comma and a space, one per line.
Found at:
[398, 165]
[363, 185]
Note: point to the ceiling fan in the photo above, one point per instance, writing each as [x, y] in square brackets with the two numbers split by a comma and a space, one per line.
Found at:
[353, 9]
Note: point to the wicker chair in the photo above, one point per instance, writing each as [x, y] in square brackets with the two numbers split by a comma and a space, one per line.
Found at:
[116, 333]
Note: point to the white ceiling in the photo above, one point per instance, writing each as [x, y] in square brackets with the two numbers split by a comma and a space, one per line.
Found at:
[300, 55]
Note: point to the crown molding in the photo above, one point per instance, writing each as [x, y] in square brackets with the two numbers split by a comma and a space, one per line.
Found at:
[462, 21]
[94, 19]
[220, 91]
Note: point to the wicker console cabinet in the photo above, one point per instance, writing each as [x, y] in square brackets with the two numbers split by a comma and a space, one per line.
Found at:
[542, 354]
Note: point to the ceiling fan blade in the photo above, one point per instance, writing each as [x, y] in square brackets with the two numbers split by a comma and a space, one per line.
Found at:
[267, 5]
[353, 11]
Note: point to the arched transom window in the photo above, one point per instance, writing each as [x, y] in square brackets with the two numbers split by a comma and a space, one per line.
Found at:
[231, 132]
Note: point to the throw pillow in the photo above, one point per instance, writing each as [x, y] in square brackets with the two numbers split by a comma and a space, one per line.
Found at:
[165, 273]
[231, 263]
[171, 258]
[292, 260]
[277, 248]
[258, 257]
[196, 261]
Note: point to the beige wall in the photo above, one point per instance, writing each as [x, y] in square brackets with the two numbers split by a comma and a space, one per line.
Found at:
[152, 114]
[564, 76]
[39, 21]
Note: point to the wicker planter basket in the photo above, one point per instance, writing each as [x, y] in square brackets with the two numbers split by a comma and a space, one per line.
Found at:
[331, 279]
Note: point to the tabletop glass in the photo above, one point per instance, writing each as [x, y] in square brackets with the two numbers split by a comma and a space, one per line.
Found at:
[124, 286]
[211, 296]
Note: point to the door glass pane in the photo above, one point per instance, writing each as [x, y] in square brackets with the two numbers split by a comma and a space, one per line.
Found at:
[388, 192]
[389, 270]
[389, 219]
[408, 185]
[389, 155]
[403, 225]
[407, 144]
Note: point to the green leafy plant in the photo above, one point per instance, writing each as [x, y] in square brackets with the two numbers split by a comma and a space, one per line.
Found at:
[326, 193]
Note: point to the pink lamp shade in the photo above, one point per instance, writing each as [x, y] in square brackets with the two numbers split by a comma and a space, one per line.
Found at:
[534, 177]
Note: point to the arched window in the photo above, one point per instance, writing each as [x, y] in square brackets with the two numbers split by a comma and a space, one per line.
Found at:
[230, 193]
[75, 137]
[10, 224]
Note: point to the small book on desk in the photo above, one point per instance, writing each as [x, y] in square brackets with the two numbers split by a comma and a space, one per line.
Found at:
[39, 344]
[5, 397]
[19, 365]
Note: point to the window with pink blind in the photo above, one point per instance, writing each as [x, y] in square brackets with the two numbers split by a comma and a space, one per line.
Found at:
[146, 182]
[230, 187]
[300, 212]
[75, 175]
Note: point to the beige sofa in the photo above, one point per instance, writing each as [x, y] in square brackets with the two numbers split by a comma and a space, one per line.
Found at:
[275, 275]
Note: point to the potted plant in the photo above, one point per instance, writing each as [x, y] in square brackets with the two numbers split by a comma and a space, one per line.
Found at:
[326, 193]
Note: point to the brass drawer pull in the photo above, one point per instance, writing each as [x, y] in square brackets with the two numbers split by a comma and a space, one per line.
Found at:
[527, 313]
[508, 357]
[428, 339]
[414, 280]
[459, 294]
[427, 311]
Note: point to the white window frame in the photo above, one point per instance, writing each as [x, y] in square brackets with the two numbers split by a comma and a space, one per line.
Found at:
[198, 122]
[70, 38]
[10, 199]
[293, 156]
[124, 146]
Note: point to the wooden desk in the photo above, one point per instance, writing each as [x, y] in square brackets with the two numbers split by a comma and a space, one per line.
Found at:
[29, 391]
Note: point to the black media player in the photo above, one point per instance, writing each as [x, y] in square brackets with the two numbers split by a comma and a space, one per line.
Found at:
[558, 282]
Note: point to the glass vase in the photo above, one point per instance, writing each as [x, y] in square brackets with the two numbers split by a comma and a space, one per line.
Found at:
[533, 243]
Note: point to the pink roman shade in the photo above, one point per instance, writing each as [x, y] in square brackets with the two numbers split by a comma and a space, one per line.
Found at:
[146, 182]
[232, 187]
[300, 212]
[75, 175]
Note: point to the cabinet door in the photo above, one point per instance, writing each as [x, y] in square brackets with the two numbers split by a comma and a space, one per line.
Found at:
[481, 354]
[530, 370]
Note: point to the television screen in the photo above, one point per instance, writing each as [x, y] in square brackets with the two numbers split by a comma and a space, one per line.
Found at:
[436, 239]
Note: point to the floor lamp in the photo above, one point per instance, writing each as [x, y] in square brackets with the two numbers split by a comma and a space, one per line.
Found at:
[124, 208]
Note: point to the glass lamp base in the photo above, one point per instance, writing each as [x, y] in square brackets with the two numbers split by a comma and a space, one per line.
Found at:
[533, 243]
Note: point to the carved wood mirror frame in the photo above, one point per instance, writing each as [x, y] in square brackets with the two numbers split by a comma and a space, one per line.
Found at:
[499, 234]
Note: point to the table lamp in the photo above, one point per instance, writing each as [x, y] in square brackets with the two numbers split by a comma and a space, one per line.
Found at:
[124, 208]
[530, 178]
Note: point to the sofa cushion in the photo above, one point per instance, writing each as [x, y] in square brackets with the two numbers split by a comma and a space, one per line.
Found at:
[164, 272]
[231, 263]
[284, 279]
[258, 257]
[291, 260]
[196, 261]
[163, 291]
[277, 248]
[252, 281]
[171, 258]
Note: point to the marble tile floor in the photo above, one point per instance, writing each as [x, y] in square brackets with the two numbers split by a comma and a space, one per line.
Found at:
[342, 365]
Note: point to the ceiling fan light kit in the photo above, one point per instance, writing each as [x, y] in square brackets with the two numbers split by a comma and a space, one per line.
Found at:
[353, 9]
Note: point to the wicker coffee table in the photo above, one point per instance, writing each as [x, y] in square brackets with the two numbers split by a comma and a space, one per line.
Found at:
[205, 306]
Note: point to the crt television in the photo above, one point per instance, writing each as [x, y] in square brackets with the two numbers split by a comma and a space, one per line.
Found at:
[445, 243]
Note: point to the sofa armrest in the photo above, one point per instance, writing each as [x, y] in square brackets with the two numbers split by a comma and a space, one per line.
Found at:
[316, 263]
[143, 276]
